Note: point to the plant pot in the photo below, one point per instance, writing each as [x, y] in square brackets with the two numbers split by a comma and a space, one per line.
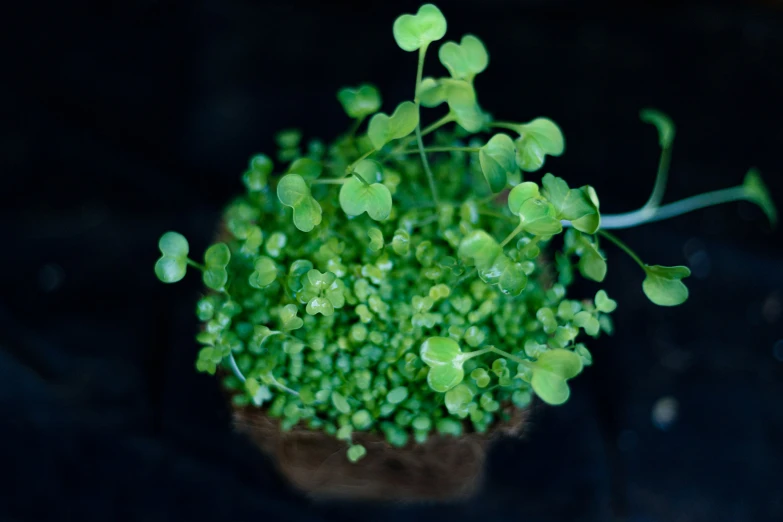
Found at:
[443, 468]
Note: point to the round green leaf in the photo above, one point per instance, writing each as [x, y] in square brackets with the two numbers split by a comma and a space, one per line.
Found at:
[215, 278]
[498, 163]
[376, 239]
[479, 247]
[292, 191]
[340, 402]
[521, 193]
[537, 139]
[539, 217]
[432, 92]
[397, 395]
[550, 373]
[265, 273]
[320, 305]
[414, 31]
[383, 129]
[173, 244]
[356, 453]
[663, 284]
[374, 198]
[603, 303]
[361, 101]
[592, 264]
[466, 59]
[575, 205]
[513, 280]
[457, 400]
[307, 168]
[663, 123]
[217, 256]
[170, 269]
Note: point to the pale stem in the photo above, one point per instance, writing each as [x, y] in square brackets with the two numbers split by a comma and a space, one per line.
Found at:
[338, 181]
[660, 178]
[512, 235]
[195, 264]
[514, 358]
[441, 149]
[678, 208]
[350, 167]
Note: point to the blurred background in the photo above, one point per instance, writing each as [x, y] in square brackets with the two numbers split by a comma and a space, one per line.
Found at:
[124, 120]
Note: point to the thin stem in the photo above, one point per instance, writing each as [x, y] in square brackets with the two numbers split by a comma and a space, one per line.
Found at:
[448, 118]
[441, 149]
[355, 175]
[234, 368]
[196, 265]
[505, 125]
[496, 215]
[424, 162]
[275, 382]
[338, 181]
[470, 355]
[678, 208]
[355, 126]
[512, 235]
[623, 246]
[514, 358]
[350, 167]
[660, 178]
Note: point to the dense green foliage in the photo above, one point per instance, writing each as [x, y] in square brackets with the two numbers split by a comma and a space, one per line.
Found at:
[376, 285]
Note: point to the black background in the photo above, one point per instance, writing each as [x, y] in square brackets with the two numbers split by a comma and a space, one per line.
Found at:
[124, 120]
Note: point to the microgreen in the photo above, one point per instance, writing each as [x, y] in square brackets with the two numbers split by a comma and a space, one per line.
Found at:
[363, 192]
[424, 291]
[361, 101]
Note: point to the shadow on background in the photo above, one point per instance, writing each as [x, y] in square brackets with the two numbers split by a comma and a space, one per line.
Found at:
[124, 122]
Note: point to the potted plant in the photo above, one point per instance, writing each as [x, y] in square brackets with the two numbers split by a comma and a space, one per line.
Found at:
[382, 307]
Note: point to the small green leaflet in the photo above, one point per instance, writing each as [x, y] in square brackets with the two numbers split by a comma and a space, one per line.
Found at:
[414, 31]
[663, 284]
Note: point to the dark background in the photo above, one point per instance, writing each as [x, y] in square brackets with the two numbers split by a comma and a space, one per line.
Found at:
[124, 120]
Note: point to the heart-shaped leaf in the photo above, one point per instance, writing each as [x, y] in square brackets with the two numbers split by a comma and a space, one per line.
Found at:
[216, 259]
[308, 168]
[575, 205]
[461, 98]
[264, 274]
[513, 280]
[320, 281]
[288, 318]
[336, 294]
[320, 305]
[376, 239]
[414, 31]
[663, 284]
[539, 217]
[604, 303]
[292, 191]
[255, 177]
[361, 101]
[481, 377]
[537, 139]
[498, 161]
[383, 129]
[550, 373]
[757, 192]
[663, 123]
[466, 59]
[480, 248]
[357, 196]
[172, 265]
[457, 400]
[592, 264]
[432, 92]
[445, 360]
[521, 193]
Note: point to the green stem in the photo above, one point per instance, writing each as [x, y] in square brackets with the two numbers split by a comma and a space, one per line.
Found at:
[514, 358]
[355, 126]
[448, 118]
[513, 234]
[234, 368]
[470, 355]
[678, 208]
[196, 265]
[623, 246]
[350, 167]
[505, 125]
[441, 149]
[338, 181]
[424, 162]
[355, 175]
[496, 215]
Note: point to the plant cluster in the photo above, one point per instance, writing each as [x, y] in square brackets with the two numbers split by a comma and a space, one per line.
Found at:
[378, 284]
